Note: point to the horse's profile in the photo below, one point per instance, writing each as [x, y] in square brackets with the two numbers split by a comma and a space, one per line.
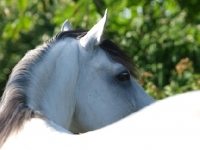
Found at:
[78, 81]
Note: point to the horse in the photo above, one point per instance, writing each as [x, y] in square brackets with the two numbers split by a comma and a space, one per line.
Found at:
[78, 81]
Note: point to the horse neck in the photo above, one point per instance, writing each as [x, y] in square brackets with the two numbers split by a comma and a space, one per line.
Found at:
[54, 83]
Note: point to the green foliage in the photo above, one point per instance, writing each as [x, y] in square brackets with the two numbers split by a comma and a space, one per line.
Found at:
[160, 36]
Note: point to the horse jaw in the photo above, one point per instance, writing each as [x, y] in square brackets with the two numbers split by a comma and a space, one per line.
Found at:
[66, 26]
[94, 36]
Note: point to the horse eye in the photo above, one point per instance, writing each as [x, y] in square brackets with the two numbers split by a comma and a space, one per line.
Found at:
[125, 76]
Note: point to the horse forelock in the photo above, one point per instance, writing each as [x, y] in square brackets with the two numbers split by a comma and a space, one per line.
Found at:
[14, 110]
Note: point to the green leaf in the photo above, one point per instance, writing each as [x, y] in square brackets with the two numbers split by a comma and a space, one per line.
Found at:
[22, 4]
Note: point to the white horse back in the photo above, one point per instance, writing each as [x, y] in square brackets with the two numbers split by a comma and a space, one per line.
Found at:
[171, 124]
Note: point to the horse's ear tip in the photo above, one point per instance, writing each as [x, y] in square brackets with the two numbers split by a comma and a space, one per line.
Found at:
[66, 26]
[106, 12]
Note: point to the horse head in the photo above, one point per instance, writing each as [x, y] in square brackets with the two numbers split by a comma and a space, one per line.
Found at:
[106, 89]
[78, 79]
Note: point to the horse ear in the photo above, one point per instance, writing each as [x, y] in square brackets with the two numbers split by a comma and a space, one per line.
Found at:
[94, 35]
[66, 26]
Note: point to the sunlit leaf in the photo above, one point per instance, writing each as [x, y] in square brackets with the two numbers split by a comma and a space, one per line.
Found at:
[22, 4]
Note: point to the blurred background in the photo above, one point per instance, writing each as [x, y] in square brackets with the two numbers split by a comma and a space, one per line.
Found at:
[161, 36]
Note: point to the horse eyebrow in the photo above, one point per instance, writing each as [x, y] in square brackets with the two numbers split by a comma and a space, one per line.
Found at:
[111, 48]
